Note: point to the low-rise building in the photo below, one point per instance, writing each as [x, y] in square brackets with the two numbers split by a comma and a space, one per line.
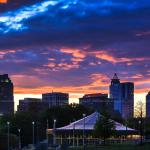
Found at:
[100, 102]
[55, 99]
[30, 104]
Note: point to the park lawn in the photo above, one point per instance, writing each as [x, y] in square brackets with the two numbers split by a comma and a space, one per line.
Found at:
[116, 147]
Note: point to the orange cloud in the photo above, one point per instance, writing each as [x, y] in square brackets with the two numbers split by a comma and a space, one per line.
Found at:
[3, 1]
[3, 53]
[26, 81]
[104, 55]
[98, 80]
[74, 52]
[50, 65]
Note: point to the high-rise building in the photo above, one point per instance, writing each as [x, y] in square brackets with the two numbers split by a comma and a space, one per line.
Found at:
[6, 95]
[148, 104]
[115, 93]
[123, 97]
[55, 99]
[99, 102]
[127, 96]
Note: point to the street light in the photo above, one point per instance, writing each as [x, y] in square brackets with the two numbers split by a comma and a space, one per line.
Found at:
[33, 132]
[47, 126]
[141, 132]
[8, 123]
[84, 130]
[126, 128]
[54, 132]
[74, 133]
[19, 130]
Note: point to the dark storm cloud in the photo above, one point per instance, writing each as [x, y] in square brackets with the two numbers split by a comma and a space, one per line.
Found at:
[106, 36]
[100, 24]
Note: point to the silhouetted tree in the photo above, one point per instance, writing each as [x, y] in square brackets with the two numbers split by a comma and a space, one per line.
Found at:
[139, 111]
[23, 120]
[104, 128]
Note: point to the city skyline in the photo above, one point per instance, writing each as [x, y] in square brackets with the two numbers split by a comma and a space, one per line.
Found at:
[75, 46]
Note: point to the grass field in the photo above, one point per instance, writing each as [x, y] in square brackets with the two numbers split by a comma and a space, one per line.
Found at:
[116, 147]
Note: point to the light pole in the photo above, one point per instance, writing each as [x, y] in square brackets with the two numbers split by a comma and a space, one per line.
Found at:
[19, 130]
[126, 128]
[84, 130]
[8, 144]
[141, 132]
[33, 132]
[74, 133]
[47, 126]
[54, 132]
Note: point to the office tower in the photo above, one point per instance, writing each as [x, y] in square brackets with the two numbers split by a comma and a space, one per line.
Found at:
[115, 93]
[99, 102]
[55, 99]
[30, 105]
[6, 95]
[148, 104]
[127, 95]
[123, 97]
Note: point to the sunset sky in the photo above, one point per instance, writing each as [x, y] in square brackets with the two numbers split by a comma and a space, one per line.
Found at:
[3, 1]
[75, 46]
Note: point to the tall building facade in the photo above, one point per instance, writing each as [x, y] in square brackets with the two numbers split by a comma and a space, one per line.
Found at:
[55, 99]
[115, 93]
[123, 97]
[99, 102]
[6, 95]
[148, 104]
[127, 96]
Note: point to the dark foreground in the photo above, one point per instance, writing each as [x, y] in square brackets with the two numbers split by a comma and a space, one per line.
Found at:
[116, 147]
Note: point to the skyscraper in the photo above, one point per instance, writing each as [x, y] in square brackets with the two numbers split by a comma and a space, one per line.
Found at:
[6, 95]
[123, 96]
[115, 93]
[148, 104]
[127, 96]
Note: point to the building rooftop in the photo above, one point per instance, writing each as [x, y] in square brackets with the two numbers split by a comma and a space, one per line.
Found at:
[95, 95]
[115, 77]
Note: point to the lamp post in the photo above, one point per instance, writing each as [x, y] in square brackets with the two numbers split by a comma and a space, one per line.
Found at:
[8, 144]
[33, 132]
[84, 130]
[19, 130]
[140, 124]
[54, 132]
[126, 128]
[47, 126]
[74, 133]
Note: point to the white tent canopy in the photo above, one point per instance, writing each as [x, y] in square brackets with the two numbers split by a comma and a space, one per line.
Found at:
[90, 122]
